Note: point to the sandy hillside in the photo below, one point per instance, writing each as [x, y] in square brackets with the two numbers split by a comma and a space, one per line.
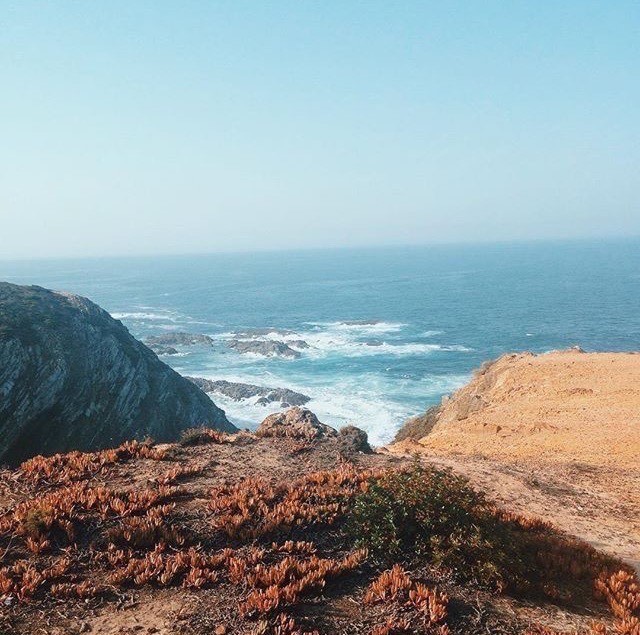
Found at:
[556, 434]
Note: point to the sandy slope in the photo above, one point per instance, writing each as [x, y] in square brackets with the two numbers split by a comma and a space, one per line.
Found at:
[557, 435]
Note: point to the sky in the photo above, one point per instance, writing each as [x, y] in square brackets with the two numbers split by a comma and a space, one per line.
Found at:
[199, 126]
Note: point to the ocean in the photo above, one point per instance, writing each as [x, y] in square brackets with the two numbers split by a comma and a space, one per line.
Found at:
[389, 330]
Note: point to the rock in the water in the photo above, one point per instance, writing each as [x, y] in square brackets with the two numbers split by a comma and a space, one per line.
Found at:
[360, 322]
[178, 339]
[164, 350]
[261, 332]
[267, 348]
[352, 440]
[296, 423]
[238, 391]
[72, 377]
[298, 344]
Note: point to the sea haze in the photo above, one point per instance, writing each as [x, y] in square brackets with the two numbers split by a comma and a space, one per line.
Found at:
[389, 330]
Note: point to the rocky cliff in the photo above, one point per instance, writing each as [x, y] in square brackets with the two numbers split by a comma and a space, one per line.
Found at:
[72, 377]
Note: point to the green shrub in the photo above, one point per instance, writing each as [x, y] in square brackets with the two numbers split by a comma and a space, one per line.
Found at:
[36, 523]
[429, 515]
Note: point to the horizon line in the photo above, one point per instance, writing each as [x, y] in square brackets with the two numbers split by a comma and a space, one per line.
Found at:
[328, 248]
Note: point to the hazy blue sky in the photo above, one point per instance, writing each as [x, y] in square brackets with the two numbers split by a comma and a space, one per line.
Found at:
[164, 127]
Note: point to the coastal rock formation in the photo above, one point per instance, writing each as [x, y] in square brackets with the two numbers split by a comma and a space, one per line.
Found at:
[531, 387]
[296, 423]
[72, 377]
[419, 426]
[298, 344]
[469, 400]
[550, 405]
[239, 391]
[267, 348]
[164, 340]
[352, 440]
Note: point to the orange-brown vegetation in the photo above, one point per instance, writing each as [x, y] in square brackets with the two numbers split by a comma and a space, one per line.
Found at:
[23, 578]
[255, 507]
[177, 473]
[394, 585]
[202, 436]
[146, 531]
[286, 625]
[268, 550]
[393, 627]
[59, 513]
[77, 466]
[388, 586]
[284, 583]
[622, 592]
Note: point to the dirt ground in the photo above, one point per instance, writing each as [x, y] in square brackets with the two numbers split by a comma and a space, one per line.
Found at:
[338, 609]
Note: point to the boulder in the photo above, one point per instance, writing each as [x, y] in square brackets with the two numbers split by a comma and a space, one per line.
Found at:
[353, 440]
[164, 350]
[298, 344]
[296, 423]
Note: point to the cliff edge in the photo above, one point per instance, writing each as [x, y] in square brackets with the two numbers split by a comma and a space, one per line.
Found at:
[570, 404]
[557, 434]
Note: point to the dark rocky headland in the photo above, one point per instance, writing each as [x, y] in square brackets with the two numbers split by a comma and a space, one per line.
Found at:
[72, 377]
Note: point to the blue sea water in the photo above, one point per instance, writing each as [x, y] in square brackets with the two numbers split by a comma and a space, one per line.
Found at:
[432, 315]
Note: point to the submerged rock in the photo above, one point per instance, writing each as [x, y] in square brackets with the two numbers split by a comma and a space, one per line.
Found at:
[267, 348]
[261, 332]
[72, 377]
[360, 322]
[296, 423]
[239, 391]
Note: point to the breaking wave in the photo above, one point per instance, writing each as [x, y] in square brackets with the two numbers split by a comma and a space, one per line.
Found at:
[349, 369]
[371, 402]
